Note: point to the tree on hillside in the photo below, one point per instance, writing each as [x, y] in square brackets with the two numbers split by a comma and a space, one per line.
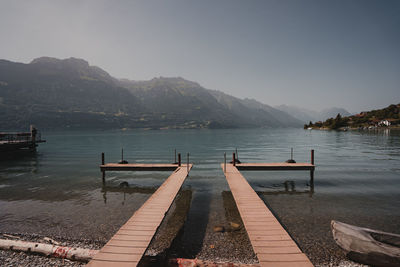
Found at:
[337, 122]
[308, 125]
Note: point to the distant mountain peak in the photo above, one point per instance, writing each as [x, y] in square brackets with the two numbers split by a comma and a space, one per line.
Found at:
[175, 81]
[45, 60]
[72, 65]
[51, 60]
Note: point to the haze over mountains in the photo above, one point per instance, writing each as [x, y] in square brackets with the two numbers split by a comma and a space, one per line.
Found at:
[307, 115]
[69, 93]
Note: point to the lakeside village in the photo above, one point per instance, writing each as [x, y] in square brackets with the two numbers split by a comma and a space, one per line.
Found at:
[388, 117]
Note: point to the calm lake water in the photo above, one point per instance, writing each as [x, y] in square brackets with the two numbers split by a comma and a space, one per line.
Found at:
[58, 191]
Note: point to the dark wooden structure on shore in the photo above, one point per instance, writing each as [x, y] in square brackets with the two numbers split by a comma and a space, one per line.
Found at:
[20, 141]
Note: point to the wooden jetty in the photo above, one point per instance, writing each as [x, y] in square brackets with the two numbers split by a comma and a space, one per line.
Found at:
[128, 245]
[137, 167]
[280, 166]
[140, 166]
[271, 243]
[277, 166]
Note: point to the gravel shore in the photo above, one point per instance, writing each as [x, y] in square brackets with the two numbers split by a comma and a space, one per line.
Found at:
[21, 259]
[219, 243]
[10, 258]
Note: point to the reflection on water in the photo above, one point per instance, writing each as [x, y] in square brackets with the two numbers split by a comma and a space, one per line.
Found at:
[169, 231]
[289, 188]
[126, 189]
[59, 190]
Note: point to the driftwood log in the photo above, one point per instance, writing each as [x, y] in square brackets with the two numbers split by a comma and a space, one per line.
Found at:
[79, 254]
[367, 246]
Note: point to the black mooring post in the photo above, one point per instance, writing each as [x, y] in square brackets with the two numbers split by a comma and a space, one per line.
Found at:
[234, 159]
[312, 185]
[224, 162]
[179, 159]
[312, 156]
[312, 171]
[103, 172]
[187, 165]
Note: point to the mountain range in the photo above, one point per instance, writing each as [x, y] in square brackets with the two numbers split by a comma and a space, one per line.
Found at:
[69, 93]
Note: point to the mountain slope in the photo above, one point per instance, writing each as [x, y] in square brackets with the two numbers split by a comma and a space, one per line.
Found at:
[253, 112]
[176, 101]
[59, 93]
[54, 93]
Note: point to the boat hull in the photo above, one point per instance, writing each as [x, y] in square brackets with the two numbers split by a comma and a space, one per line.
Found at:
[367, 246]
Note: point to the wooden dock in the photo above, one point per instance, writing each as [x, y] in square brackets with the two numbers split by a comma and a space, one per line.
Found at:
[128, 245]
[280, 166]
[125, 166]
[137, 167]
[271, 243]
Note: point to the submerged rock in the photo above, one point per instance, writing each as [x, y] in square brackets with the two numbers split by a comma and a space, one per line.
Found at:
[235, 226]
[219, 228]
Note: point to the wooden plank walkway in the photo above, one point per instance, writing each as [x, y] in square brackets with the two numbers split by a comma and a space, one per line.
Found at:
[138, 167]
[272, 244]
[280, 166]
[128, 245]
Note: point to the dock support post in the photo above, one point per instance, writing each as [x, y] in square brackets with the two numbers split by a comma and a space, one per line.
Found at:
[312, 186]
[312, 171]
[224, 162]
[237, 154]
[312, 156]
[234, 159]
[187, 165]
[103, 172]
[179, 159]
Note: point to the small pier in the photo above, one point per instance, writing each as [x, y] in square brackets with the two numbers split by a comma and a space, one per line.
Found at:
[276, 166]
[128, 245]
[125, 166]
[281, 166]
[271, 243]
[137, 167]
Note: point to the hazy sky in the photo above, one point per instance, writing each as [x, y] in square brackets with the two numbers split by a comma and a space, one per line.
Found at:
[312, 54]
